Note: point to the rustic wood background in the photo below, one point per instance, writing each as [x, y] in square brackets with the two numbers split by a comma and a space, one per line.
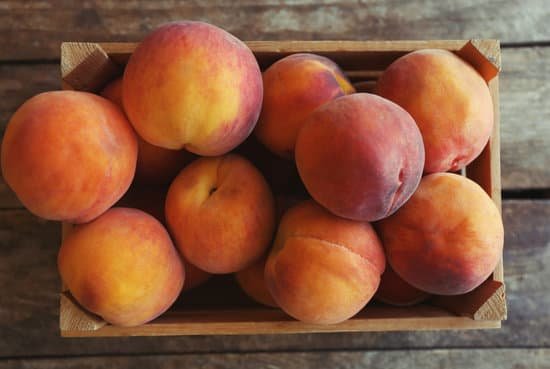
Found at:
[30, 36]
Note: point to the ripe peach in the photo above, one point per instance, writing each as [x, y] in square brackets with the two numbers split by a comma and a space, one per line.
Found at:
[155, 165]
[293, 87]
[323, 269]
[221, 213]
[192, 85]
[122, 266]
[69, 155]
[252, 282]
[394, 290]
[447, 239]
[360, 156]
[448, 99]
[151, 200]
[113, 92]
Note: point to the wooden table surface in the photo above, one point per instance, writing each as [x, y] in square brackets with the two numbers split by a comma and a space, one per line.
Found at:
[30, 36]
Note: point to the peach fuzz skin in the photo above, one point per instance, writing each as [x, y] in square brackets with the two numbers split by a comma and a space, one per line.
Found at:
[293, 87]
[221, 213]
[252, 282]
[360, 156]
[155, 165]
[122, 266]
[192, 85]
[393, 290]
[151, 199]
[447, 239]
[68, 155]
[323, 269]
[448, 99]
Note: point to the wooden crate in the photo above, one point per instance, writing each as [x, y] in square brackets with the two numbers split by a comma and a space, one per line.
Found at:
[89, 66]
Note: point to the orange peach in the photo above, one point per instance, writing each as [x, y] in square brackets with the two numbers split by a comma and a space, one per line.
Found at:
[448, 99]
[323, 269]
[360, 156]
[393, 290]
[447, 239]
[113, 92]
[151, 200]
[122, 266]
[192, 85]
[294, 86]
[252, 282]
[69, 155]
[221, 213]
[155, 165]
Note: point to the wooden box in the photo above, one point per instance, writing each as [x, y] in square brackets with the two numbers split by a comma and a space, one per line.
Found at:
[89, 66]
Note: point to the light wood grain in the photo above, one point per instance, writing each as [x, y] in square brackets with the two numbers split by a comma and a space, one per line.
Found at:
[35, 29]
[401, 359]
[30, 300]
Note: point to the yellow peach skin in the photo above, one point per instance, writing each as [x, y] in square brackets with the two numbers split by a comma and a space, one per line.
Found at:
[155, 165]
[122, 266]
[447, 239]
[448, 99]
[69, 155]
[323, 269]
[221, 213]
[192, 85]
[293, 87]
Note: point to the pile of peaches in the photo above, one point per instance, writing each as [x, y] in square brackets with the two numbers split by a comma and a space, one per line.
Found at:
[318, 198]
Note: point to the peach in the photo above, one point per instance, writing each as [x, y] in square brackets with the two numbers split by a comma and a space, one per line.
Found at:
[294, 86]
[113, 92]
[192, 85]
[122, 266]
[447, 239]
[393, 290]
[221, 213]
[360, 156]
[323, 269]
[68, 155]
[151, 200]
[448, 99]
[252, 282]
[155, 165]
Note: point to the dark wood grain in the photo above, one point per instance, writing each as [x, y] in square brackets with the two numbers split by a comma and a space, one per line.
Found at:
[428, 359]
[34, 29]
[30, 285]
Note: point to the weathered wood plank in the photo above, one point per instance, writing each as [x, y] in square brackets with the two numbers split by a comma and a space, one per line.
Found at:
[30, 300]
[525, 118]
[34, 29]
[400, 359]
